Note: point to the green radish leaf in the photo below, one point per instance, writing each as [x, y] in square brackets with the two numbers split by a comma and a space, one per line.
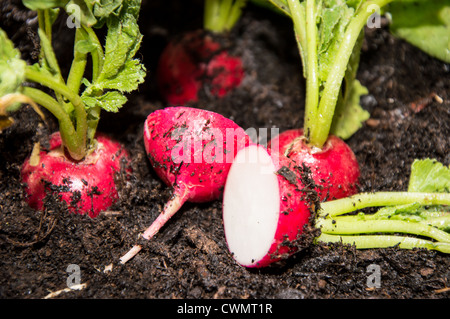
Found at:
[111, 101]
[128, 79]
[335, 17]
[121, 73]
[429, 176]
[281, 6]
[424, 24]
[350, 115]
[12, 67]
[104, 9]
[85, 46]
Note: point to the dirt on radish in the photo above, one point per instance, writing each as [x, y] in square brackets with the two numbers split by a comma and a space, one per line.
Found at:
[189, 258]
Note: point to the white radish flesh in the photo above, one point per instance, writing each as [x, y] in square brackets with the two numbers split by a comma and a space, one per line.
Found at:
[265, 207]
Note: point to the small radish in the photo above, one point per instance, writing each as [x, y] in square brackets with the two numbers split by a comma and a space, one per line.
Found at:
[334, 168]
[86, 186]
[196, 62]
[191, 150]
[266, 205]
[80, 165]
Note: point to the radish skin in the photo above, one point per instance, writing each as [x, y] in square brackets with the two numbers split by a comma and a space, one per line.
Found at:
[266, 207]
[191, 150]
[334, 168]
[194, 62]
[86, 186]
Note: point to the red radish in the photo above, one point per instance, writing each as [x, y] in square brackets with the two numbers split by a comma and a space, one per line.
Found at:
[195, 62]
[266, 206]
[191, 150]
[86, 186]
[334, 168]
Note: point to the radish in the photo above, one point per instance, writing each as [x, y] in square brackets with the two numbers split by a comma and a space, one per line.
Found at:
[266, 205]
[86, 186]
[80, 165]
[200, 60]
[191, 150]
[196, 62]
[334, 168]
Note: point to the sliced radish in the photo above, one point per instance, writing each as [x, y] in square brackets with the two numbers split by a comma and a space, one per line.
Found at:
[265, 207]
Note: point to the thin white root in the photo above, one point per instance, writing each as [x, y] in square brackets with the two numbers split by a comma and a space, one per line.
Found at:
[130, 254]
[170, 209]
[57, 293]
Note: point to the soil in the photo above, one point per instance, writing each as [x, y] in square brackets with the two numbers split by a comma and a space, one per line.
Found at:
[189, 257]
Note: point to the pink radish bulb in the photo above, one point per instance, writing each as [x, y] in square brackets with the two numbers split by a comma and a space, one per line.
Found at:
[191, 150]
[86, 186]
[334, 168]
[265, 207]
[196, 62]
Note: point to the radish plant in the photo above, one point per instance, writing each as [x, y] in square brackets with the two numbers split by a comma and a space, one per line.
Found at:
[79, 165]
[200, 61]
[264, 219]
[329, 35]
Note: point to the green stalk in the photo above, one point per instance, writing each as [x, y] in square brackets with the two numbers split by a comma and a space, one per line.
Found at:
[438, 219]
[385, 241]
[312, 80]
[97, 55]
[235, 14]
[47, 55]
[221, 15]
[364, 200]
[79, 108]
[67, 130]
[93, 115]
[353, 229]
[320, 128]
[45, 24]
[297, 13]
[341, 227]
[78, 67]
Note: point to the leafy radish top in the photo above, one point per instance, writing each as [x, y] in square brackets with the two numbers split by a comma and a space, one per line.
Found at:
[77, 100]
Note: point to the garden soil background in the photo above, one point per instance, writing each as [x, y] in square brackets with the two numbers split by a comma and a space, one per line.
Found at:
[409, 104]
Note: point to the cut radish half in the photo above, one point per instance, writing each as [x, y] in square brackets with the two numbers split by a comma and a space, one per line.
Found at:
[265, 207]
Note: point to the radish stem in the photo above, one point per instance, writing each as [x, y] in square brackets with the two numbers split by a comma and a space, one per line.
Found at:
[341, 227]
[97, 54]
[363, 200]
[321, 98]
[78, 67]
[79, 151]
[298, 18]
[321, 127]
[312, 81]
[221, 15]
[385, 241]
[353, 229]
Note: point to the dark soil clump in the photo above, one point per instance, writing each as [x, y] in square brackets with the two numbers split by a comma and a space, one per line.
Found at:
[189, 257]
